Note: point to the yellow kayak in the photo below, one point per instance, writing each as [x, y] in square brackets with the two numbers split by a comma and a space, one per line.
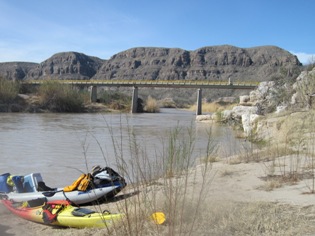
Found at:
[61, 213]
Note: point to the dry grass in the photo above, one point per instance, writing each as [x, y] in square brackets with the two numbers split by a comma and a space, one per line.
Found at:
[222, 218]
[151, 105]
[210, 159]
[170, 184]
[226, 172]
[271, 185]
[212, 107]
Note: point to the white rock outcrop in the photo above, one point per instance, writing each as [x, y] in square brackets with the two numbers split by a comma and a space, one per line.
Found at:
[244, 99]
[204, 118]
[264, 91]
[248, 122]
[304, 95]
[246, 115]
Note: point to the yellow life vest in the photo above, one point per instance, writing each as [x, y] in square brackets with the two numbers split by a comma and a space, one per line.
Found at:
[75, 184]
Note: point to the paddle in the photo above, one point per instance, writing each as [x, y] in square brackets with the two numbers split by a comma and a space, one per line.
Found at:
[158, 218]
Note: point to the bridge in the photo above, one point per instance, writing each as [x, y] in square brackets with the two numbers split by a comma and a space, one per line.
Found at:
[198, 84]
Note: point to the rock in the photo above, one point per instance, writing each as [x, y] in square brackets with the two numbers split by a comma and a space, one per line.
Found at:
[203, 118]
[268, 96]
[271, 97]
[238, 111]
[66, 65]
[264, 89]
[280, 109]
[226, 115]
[244, 115]
[304, 90]
[244, 99]
[226, 100]
[294, 99]
[24, 96]
[15, 70]
[214, 63]
[236, 114]
[248, 122]
[217, 63]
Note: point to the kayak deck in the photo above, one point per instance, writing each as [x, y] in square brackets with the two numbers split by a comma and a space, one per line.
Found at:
[61, 213]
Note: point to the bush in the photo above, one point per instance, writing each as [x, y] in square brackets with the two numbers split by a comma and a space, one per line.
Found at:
[151, 105]
[61, 98]
[167, 103]
[8, 91]
[115, 100]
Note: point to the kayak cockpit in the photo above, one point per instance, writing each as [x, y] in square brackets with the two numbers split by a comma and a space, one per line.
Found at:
[23, 184]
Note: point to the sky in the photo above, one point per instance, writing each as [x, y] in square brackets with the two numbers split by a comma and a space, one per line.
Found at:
[35, 30]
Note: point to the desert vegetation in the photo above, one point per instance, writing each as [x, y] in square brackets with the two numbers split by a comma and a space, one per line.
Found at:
[8, 93]
[115, 100]
[56, 97]
[213, 107]
[51, 96]
[151, 105]
[172, 181]
[287, 159]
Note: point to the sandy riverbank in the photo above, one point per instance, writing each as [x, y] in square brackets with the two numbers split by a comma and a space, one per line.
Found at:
[225, 183]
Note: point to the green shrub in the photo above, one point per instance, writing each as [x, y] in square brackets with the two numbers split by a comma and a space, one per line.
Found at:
[115, 100]
[61, 98]
[8, 91]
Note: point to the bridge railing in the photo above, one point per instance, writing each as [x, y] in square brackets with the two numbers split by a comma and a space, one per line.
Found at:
[149, 83]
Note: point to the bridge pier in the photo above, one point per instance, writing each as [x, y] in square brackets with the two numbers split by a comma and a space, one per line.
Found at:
[134, 102]
[199, 102]
[93, 93]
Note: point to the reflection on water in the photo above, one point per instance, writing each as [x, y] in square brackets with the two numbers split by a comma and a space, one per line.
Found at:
[59, 145]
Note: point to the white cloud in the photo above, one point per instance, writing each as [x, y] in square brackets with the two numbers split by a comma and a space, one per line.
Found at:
[305, 58]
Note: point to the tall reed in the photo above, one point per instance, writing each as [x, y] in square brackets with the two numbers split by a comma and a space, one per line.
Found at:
[169, 179]
[160, 181]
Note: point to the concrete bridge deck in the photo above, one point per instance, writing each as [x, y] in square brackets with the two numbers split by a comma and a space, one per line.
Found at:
[155, 83]
[197, 84]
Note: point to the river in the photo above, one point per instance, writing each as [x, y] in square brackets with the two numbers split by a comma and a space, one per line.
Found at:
[59, 146]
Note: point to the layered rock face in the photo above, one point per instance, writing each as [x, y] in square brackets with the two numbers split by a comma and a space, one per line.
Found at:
[66, 65]
[15, 70]
[216, 63]
[209, 63]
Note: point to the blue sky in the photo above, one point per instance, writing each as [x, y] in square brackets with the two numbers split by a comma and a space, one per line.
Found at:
[34, 30]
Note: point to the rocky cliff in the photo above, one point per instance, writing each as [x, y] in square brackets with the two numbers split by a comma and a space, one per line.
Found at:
[215, 63]
[66, 65]
[15, 70]
[207, 63]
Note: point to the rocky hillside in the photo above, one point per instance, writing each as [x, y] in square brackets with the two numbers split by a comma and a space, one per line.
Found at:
[66, 65]
[15, 70]
[149, 63]
[208, 63]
